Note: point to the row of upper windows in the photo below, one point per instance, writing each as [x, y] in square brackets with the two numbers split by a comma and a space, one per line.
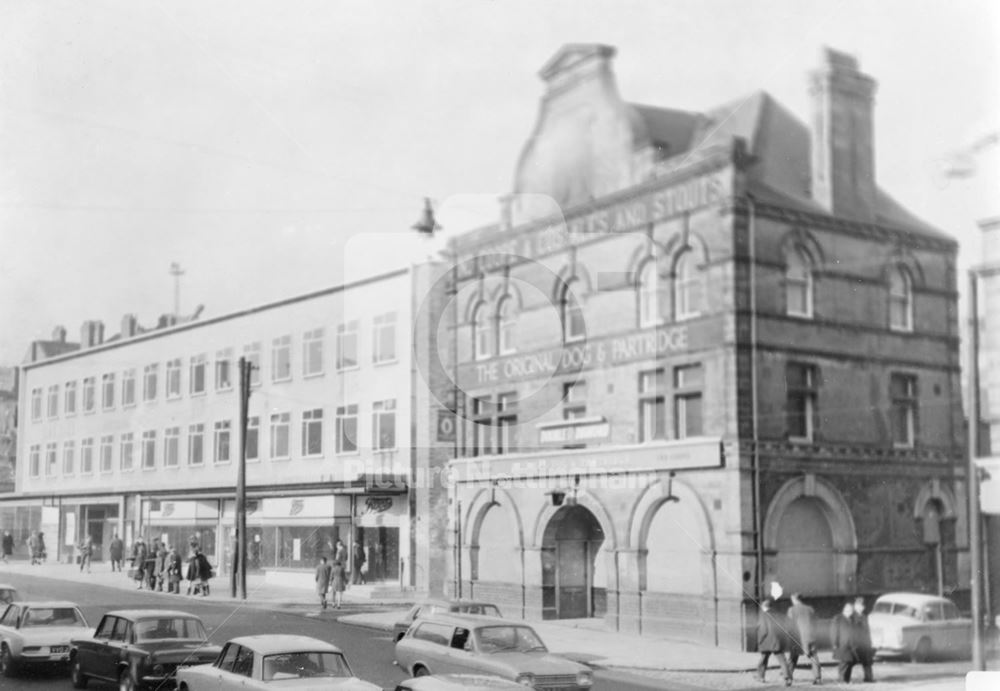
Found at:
[312, 440]
[313, 364]
[495, 329]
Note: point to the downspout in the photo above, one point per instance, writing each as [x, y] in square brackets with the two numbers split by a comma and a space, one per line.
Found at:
[755, 453]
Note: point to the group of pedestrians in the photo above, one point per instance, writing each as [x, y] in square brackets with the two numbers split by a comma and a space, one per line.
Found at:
[161, 568]
[795, 634]
[331, 579]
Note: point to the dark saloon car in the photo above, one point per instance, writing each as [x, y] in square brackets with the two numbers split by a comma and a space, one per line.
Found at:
[140, 649]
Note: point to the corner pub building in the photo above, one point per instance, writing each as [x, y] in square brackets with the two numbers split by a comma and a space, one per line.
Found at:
[701, 353]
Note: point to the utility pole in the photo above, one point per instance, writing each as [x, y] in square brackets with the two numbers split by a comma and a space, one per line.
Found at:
[239, 571]
[176, 271]
[972, 482]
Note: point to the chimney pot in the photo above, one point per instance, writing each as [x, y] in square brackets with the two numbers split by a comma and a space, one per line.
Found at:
[59, 334]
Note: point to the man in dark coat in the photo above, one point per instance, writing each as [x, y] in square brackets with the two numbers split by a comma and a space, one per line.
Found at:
[863, 638]
[139, 562]
[770, 641]
[359, 559]
[322, 580]
[150, 565]
[116, 552]
[802, 621]
[842, 642]
[8, 546]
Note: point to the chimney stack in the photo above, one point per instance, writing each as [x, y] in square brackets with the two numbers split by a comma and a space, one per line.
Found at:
[130, 326]
[91, 334]
[843, 142]
[59, 334]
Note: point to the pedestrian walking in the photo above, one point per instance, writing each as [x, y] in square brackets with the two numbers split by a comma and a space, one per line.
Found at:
[338, 583]
[842, 642]
[174, 568]
[7, 546]
[771, 641]
[116, 552]
[340, 552]
[863, 639]
[161, 567]
[33, 547]
[86, 552]
[42, 555]
[205, 572]
[149, 565]
[802, 624]
[359, 559]
[192, 573]
[323, 571]
[139, 552]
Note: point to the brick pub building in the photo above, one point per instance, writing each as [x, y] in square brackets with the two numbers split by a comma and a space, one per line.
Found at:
[702, 352]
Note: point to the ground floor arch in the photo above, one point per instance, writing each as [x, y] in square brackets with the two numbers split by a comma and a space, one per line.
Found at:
[573, 582]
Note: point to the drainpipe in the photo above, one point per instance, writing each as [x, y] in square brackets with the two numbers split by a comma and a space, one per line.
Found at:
[755, 453]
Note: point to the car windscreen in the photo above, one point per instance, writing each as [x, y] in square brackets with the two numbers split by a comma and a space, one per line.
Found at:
[503, 639]
[882, 607]
[52, 616]
[169, 627]
[303, 665]
[485, 610]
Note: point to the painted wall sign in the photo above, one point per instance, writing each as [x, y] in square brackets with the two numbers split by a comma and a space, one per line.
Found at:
[569, 434]
[626, 216]
[607, 351]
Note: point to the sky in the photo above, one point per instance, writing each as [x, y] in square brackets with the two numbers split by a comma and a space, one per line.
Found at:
[272, 148]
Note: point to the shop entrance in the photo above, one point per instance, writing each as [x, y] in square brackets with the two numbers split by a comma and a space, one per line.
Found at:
[100, 523]
[381, 548]
[572, 541]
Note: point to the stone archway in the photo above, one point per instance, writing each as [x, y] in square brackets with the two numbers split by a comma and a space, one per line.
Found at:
[571, 544]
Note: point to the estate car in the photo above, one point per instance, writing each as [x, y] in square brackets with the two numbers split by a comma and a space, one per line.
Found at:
[428, 607]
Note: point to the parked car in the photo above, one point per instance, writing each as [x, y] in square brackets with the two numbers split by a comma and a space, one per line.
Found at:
[274, 661]
[37, 633]
[140, 648]
[8, 594]
[453, 643]
[428, 607]
[456, 682]
[919, 626]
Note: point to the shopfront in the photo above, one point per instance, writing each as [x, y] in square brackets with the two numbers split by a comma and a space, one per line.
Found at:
[378, 521]
[178, 523]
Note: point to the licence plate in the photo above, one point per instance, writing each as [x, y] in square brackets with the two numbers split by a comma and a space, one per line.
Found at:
[55, 649]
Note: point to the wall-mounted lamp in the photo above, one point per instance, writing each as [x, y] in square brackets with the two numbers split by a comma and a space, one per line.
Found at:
[670, 488]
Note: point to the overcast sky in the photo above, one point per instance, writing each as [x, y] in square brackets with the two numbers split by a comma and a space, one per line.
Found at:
[251, 140]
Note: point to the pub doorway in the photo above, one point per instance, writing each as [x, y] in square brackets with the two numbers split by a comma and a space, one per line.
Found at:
[570, 546]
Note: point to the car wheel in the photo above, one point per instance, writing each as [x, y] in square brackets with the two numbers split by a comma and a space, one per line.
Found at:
[76, 675]
[126, 682]
[421, 672]
[922, 652]
[7, 665]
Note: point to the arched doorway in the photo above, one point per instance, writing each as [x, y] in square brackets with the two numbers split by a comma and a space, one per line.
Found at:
[805, 559]
[570, 547]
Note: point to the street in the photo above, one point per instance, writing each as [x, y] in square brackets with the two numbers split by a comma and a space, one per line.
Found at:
[368, 651]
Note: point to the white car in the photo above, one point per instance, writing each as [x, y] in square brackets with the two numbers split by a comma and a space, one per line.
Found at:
[919, 626]
[35, 633]
[271, 662]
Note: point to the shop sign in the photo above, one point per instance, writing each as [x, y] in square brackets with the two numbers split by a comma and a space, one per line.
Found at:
[446, 425]
[298, 508]
[169, 510]
[626, 216]
[574, 433]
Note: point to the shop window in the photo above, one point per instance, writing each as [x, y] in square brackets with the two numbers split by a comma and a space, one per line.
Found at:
[688, 390]
[69, 398]
[107, 453]
[652, 405]
[648, 291]
[571, 312]
[35, 460]
[172, 447]
[482, 334]
[251, 352]
[108, 391]
[900, 300]
[903, 395]
[150, 373]
[281, 359]
[126, 454]
[53, 401]
[689, 287]
[221, 441]
[174, 378]
[148, 450]
[224, 369]
[253, 438]
[312, 353]
[69, 458]
[801, 385]
[798, 284]
[384, 338]
[347, 345]
[199, 364]
[87, 456]
[312, 432]
[347, 429]
[384, 425]
[507, 326]
[196, 444]
[280, 431]
[128, 387]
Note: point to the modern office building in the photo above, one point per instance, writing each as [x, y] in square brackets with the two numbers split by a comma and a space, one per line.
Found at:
[139, 433]
[699, 354]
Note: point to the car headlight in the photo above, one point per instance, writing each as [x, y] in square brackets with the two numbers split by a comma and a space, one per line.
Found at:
[525, 679]
[584, 678]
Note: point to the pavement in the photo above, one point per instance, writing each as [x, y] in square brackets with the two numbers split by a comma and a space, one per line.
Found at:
[585, 640]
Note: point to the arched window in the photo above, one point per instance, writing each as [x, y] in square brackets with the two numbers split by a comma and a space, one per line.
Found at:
[649, 294]
[506, 326]
[689, 290]
[900, 300]
[798, 284]
[572, 313]
[482, 336]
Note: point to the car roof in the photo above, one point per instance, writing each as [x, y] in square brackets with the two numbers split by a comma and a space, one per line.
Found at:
[911, 599]
[45, 603]
[470, 621]
[135, 614]
[275, 644]
[7, 586]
